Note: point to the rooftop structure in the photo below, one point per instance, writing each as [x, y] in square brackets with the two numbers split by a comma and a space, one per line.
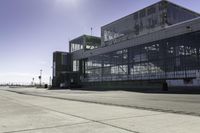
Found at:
[84, 42]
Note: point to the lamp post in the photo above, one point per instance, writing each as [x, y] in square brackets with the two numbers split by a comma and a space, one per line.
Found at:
[50, 81]
[91, 30]
[33, 81]
[40, 77]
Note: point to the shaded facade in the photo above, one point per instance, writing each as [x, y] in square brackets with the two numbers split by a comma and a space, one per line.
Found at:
[62, 66]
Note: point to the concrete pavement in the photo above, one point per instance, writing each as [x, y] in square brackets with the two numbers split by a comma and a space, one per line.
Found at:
[33, 114]
[173, 103]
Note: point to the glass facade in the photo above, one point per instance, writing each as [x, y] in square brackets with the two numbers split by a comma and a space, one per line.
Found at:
[92, 42]
[76, 47]
[137, 23]
[175, 14]
[75, 65]
[171, 58]
[76, 44]
[64, 59]
[145, 21]
[85, 42]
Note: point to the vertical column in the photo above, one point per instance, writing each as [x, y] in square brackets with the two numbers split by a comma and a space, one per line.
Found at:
[84, 42]
[163, 48]
[128, 62]
[102, 66]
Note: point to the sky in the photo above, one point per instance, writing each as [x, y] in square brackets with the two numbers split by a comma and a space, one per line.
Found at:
[31, 30]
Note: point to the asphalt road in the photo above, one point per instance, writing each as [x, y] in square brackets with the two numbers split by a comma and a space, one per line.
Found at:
[30, 110]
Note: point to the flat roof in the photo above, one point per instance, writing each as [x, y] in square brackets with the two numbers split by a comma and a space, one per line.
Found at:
[60, 52]
[82, 36]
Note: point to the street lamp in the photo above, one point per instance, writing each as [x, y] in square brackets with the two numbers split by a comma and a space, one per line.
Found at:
[40, 77]
[33, 81]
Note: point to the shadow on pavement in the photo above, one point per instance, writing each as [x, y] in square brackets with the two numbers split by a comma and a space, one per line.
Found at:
[175, 90]
[171, 90]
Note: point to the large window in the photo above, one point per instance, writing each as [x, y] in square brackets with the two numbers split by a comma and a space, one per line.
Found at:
[75, 65]
[76, 47]
[76, 44]
[176, 57]
[64, 59]
[141, 22]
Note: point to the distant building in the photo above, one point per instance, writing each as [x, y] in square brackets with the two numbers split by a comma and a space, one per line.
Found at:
[158, 44]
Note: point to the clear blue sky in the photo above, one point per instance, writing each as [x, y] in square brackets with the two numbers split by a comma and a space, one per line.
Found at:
[30, 30]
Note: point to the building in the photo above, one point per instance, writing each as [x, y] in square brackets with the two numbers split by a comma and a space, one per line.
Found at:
[63, 75]
[68, 72]
[157, 45]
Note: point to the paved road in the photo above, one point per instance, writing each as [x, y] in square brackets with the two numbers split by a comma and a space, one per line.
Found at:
[24, 113]
[174, 103]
